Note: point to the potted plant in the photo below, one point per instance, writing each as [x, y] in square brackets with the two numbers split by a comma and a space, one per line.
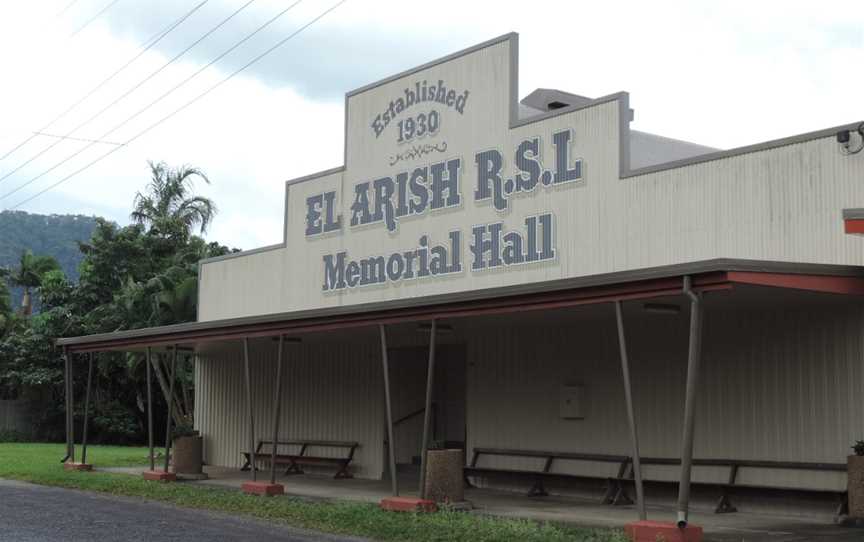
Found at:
[855, 477]
[445, 482]
[188, 450]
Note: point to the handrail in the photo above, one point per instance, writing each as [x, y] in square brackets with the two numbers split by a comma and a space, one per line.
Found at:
[412, 415]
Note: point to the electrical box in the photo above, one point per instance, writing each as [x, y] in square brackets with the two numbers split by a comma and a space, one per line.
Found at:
[572, 402]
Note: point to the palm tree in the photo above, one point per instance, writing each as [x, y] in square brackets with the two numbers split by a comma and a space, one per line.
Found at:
[29, 275]
[168, 206]
[5, 303]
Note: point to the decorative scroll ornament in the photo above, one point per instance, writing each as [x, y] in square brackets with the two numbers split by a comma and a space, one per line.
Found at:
[417, 151]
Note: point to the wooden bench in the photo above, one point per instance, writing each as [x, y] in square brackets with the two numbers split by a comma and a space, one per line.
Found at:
[614, 491]
[616, 487]
[295, 460]
[724, 504]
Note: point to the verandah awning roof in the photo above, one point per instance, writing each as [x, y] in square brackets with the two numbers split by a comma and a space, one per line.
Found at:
[716, 274]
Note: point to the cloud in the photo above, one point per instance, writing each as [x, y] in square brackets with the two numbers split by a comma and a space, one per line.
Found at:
[338, 54]
[722, 74]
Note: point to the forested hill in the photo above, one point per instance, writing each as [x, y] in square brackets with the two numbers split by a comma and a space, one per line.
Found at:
[50, 235]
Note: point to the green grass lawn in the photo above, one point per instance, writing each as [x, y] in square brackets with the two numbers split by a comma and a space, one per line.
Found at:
[40, 464]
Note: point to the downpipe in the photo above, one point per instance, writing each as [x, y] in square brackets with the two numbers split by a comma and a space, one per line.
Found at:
[693, 359]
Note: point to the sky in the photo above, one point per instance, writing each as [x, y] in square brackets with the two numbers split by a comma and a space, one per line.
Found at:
[722, 74]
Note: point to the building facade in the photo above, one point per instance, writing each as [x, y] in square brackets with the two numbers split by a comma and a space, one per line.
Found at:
[517, 226]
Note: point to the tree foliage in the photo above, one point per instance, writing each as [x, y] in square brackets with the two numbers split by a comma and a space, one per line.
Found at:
[53, 235]
[28, 276]
[5, 301]
[141, 275]
[168, 206]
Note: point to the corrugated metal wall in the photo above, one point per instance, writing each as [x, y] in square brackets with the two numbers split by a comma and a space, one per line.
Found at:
[782, 385]
[778, 384]
[333, 391]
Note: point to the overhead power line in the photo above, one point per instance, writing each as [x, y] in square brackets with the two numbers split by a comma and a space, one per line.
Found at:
[184, 106]
[127, 93]
[65, 9]
[93, 18]
[154, 102]
[78, 139]
[149, 44]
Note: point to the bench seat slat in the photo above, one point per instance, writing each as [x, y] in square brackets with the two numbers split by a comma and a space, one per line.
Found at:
[706, 462]
[323, 443]
[302, 459]
[473, 471]
[557, 455]
[306, 459]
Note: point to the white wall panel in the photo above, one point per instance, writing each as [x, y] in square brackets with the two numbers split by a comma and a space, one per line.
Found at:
[776, 385]
[331, 392]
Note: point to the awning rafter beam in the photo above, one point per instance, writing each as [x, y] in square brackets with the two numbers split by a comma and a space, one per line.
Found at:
[518, 303]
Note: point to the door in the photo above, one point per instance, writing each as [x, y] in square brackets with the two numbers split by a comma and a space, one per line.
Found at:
[408, 392]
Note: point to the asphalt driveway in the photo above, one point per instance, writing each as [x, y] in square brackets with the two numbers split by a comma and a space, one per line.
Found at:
[32, 513]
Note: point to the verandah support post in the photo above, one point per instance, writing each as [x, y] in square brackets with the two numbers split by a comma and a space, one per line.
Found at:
[247, 378]
[631, 415]
[66, 403]
[87, 409]
[277, 404]
[693, 362]
[70, 409]
[427, 413]
[170, 408]
[150, 409]
[394, 483]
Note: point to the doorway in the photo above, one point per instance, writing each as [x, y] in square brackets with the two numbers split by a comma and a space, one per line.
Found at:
[408, 389]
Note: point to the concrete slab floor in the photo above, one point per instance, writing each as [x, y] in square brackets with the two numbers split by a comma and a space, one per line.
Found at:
[737, 527]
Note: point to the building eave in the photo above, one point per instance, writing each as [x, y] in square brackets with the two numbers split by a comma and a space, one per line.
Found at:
[646, 283]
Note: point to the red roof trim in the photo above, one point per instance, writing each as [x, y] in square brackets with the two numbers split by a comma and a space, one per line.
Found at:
[519, 303]
[816, 283]
[854, 226]
[544, 300]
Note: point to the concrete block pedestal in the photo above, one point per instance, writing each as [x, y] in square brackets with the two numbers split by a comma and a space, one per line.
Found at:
[160, 476]
[78, 466]
[265, 489]
[408, 504]
[654, 531]
[185, 476]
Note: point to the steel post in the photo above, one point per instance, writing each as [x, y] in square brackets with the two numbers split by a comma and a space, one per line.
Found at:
[693, 362]
[391, 444]
[277, 410]
[631, 414]
[170, 408]
[150, 409]
[427, 412]
[87, 408]
[71, 409]
[248, 380]
[66, 362]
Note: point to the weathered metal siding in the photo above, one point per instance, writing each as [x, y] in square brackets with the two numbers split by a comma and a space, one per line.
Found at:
[779, 385]
[781, 203]
[332, 391]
